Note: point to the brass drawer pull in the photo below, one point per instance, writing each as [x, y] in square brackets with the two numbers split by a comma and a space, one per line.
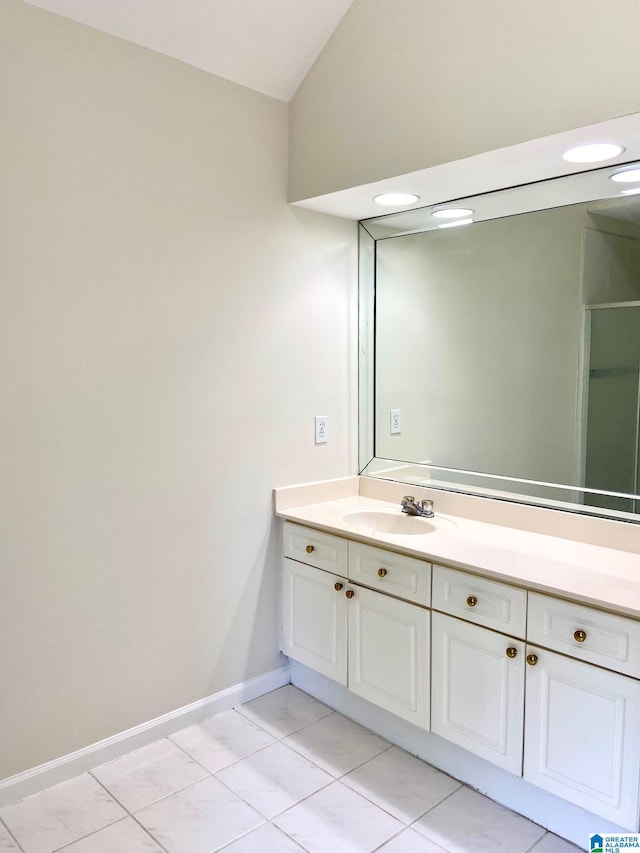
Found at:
[310, 549]
[511, 652]
[349, 593]
[532, 660]
[472, 600]
[382, 573]
[338, 586]
[579, 636]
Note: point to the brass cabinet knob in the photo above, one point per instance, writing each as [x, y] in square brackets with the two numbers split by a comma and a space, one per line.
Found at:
[579, 636]
[382, 573]
[532, 660]
[349, 593]
[472, 600]
[511, 652]
[338, 586]
[310, 549]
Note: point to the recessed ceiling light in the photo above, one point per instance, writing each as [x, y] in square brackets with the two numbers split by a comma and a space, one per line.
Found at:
[396, 199]
[455, 222]
[627, 176]
[451, 212]
[634, 191]
[595, 152]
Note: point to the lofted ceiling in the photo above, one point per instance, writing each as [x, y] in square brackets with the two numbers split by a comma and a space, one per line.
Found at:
[266, 45]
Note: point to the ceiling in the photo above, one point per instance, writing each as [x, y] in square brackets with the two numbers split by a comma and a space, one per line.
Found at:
[266, 45]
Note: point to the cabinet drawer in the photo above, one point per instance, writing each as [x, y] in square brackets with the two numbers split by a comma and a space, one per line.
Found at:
[480, 600]
[584, 633]
[396, 574]
[315, 548]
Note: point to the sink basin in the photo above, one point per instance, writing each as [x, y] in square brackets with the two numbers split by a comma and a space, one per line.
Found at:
[394, 521]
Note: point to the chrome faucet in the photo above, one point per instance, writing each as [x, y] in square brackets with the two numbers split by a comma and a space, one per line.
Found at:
[422, 508]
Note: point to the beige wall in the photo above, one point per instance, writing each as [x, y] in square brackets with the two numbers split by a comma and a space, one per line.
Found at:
[408, 84]
[168, 329]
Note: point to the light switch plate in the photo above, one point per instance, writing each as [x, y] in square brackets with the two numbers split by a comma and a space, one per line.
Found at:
[395, 422]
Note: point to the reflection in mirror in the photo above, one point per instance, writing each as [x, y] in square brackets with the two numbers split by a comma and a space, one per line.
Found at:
[511, 348]
[613, 412]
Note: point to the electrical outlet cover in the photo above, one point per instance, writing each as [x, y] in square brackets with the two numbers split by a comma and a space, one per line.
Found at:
[322, 428]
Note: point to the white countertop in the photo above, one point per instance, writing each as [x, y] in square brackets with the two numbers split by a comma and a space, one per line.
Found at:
[600, 576]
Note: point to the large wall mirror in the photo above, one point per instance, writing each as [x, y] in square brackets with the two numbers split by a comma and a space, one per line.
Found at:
[501, 356]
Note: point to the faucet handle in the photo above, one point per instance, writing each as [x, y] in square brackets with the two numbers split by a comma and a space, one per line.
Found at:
[408, 499]
[427, 507]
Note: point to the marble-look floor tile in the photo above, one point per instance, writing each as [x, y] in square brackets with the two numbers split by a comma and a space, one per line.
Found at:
[336, 744]
[199, 819]
[338, 819]
[7, 844]
[284, 711]
[552, 844]
[149, 774]
[62, 814]
[265, 839]
[401, 784]
[411, 842]
[468, 821]
[126, 836]
[274, 779]
[222, 740]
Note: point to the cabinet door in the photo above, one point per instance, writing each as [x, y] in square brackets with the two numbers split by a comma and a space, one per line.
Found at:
[389, 654]
[315, 619]
[477, 692]
[582, 735]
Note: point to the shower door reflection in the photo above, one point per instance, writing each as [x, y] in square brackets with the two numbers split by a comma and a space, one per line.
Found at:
[613, 411]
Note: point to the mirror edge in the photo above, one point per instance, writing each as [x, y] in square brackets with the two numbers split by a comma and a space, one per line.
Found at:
[366, 346]
[367, 245]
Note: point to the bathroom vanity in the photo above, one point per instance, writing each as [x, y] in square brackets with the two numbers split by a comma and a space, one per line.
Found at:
[499, 377]
[519, 647]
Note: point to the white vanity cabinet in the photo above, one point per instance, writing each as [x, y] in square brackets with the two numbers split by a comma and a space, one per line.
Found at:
[477, 673]
[581, 738]
[544, 688]
[389, 654]
[478, 690]
[582, 731]
[314, 613]
[314, 619]
[375, 644]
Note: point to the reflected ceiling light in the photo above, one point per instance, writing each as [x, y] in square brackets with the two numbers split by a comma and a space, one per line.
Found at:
[634, 191]
[595, 152]
[451, 212]
[455, 222]
[626, 176]
[396, 199]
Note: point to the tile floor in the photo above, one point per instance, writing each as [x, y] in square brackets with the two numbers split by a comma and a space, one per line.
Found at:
[281, 774]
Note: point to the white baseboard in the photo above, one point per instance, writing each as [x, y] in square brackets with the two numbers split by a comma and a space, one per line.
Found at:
[22, 785]
[555, 814]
